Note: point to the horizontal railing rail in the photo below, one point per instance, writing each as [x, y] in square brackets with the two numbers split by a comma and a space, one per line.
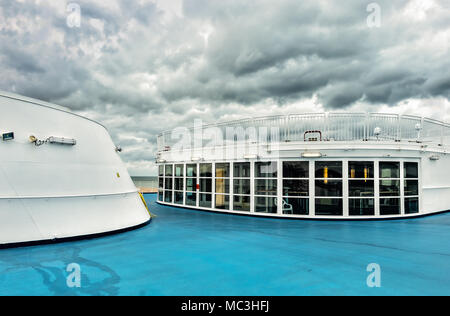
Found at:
[332, 126]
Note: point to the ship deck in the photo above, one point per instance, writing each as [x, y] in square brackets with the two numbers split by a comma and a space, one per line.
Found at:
[188, 252]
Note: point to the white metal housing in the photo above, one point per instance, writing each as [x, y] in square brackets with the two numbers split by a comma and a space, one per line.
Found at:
[388, 166]
[71, 185]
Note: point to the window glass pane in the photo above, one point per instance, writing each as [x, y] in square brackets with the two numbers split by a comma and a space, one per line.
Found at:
[265, 187]
[328, 169]
[242, 170]
[411, 170]
[191, 199]
[296, 206]
[389, 187]
[241, 203]
[361, 188]
[206, 170]
[179, 170]
[295, 169]
[266, 169]
[191, 184]
[296, 187]
[242, 186]
[411, 205]
[389, 170]
[222, 202]
[329, 207]
[161, 170]
[361, 207]
[360, 169]
[328, 187]
[265, 205]
[205, 185]
[169, 183]
[168, 196]
[161, 183]
[160, 196]
[389, 206]
[205, 200]
[178, 198]
[222, 170]
[179, 184]
[191, 170]
[411, 187]
[169, 170]
[222, 185]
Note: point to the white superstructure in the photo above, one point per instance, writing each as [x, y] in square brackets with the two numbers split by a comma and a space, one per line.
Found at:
[60, 175]
[311, 166]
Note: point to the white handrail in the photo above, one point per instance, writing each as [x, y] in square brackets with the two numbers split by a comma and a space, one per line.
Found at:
[338, 126]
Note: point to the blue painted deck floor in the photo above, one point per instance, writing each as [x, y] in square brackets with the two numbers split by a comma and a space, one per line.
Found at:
[187, 252]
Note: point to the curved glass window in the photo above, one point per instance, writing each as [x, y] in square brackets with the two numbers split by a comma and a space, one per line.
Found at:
[328, 169]
[360, 169]
[390, 206]
[329, 188]
[295, 206]
[266, 169]
[411, 169]
[169, 171]
[295, 188]
[266, 205]
[205, 200]
[168, 184]
[411, 187]
[412, 205]
[205, 185]
[361, 188]
[222, 185]
[331, 207]
[178, 197]
[295, 169]
[390, 170]
[242, 170]
[266, 187]
[361, 207]
[191, 170]
[222, 202]
[191, 198]
[168, 196]
[241, 186]
[241, 203]
[206, 170]
[179, 184]
[222, 170]
[389, 187]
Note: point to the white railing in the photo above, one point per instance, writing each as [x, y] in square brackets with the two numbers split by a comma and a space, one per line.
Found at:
[332, 127]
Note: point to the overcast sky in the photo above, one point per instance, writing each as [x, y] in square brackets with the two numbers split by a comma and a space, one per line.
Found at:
[141, 67]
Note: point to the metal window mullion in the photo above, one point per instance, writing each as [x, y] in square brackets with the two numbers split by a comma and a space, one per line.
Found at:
[402, 188]
[377, 187]
[252, 187]
[231, 203]
[279, 187]
[345, 189]
[197, 185]
[312, 193]
[184, 183]
[213, 185]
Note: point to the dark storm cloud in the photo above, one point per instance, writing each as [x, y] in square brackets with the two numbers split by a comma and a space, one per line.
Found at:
[147, 66]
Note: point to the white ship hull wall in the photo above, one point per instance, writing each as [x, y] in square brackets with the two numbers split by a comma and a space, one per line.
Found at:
[60, 191]
[435, 184]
